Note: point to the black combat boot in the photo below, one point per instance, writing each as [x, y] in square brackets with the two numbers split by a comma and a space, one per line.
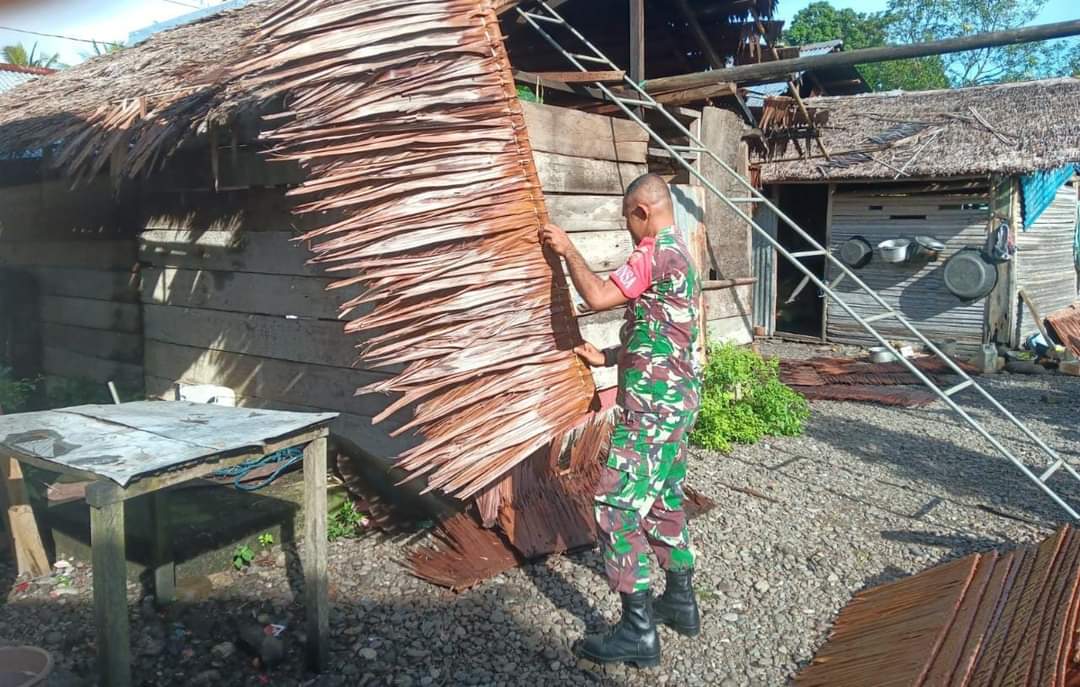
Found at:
[678, 608]
[633, 640]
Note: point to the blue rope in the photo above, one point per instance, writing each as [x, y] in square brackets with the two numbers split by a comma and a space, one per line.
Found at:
[284, 459]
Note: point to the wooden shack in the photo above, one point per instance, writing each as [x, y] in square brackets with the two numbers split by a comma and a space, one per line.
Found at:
[187, 273]
[952, 165]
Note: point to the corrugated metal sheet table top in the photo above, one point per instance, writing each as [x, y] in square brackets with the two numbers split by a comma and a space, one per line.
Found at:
[128, 441]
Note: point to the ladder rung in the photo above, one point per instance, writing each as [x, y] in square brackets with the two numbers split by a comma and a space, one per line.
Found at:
[590, 58]
[689, 149]
[1052, 469]
[801, 253]
[749, 200]
[882, 316]
[632, 102]
[544, 17]
[959, 387]
[836, 282]
[661, 152]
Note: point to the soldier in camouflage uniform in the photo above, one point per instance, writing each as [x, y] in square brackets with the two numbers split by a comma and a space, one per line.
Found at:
[639, 501]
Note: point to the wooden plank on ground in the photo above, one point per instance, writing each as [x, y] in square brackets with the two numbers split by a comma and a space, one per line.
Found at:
[260, 294]
[19, 521]
[86, 312]
[320, 386]
[102, 285]
[320, 342]
[586, 212]
[122, 347]
[579, 134]
[104, 254]
[269, 252]
[73, 365]
[564, 174]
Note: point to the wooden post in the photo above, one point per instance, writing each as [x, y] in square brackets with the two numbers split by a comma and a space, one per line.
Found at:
[163, 561]
[315, 579]
[637, 40]
[1000, 311]
[19, 521]
[728, 235]
[109, 555]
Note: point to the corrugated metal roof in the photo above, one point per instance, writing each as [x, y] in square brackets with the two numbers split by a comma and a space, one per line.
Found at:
[756, 95]
[10, 78]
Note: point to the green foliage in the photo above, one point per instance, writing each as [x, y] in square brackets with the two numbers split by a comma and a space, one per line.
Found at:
[744, 400]
[266, 540]
[14, 393]
[346, 522]
[528, 95]
[242, 556]
[104, 48]
[64, 392]
[18, 55]
[916, 21]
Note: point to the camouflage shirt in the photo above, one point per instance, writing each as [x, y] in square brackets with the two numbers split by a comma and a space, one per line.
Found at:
[657, 365]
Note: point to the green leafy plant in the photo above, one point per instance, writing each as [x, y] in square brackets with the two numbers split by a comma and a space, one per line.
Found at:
[14, 393]
[528, 95]
[346, 522]
[266, 540]
[242, 556]
[744, 400]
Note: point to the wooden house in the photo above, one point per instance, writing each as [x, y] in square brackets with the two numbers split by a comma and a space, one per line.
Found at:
[174, 263]
[952, 165]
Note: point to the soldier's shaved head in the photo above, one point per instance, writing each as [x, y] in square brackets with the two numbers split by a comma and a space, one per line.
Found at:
[647, 206]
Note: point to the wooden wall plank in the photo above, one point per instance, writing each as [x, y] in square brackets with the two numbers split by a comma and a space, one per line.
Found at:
[304, 341]
[736, 330]
[584, 135]
[320, 386]
[562, 174]
[105, 254]
[603, 250]
[586, 212]
[260, 294]
[94, 314]
[98, 343]
[733, 302]
[268, 252]
[728, 235]
[64, 363]
[102, 285]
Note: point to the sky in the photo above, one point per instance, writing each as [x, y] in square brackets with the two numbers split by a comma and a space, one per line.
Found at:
[113, 20]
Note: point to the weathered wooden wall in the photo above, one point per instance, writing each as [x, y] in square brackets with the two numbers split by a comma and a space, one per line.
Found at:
[917, 290]
[1045, 267]
[77, 248]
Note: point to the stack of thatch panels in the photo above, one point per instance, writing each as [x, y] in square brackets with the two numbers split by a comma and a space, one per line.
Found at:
[987, 619]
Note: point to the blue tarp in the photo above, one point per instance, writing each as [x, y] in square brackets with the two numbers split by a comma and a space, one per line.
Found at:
[1037, 191]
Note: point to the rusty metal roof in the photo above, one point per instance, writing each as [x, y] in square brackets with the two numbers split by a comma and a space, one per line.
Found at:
[1064, 326]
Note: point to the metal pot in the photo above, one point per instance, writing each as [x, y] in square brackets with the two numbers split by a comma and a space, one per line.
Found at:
[894, 250]
[856, 252]
[928, 248]
[968, 275]
[880, 354]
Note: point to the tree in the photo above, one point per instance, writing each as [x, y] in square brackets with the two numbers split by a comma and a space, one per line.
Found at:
[104, 48]
[17, 54]
[928, 20]
[820, 21]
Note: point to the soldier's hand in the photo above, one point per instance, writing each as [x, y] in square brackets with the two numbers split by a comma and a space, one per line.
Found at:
[555, 239]
[592, 355]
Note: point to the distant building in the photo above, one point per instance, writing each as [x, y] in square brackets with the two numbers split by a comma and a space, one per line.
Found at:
[11, 75]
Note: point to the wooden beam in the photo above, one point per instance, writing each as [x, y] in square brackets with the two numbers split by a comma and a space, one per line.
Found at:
[532, 79]
[782, 68]
[582, 77]
[637, 40]
[19, 521]
[316, 584]
[109, 553]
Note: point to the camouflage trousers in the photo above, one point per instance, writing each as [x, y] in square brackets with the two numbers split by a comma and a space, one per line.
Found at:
[639, 500]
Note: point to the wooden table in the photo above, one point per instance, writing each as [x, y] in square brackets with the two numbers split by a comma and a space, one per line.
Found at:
[137, 449]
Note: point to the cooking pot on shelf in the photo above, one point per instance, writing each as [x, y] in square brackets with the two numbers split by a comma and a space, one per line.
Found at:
[968, 275]
[894, 250]
[856, 252]
[928, 248]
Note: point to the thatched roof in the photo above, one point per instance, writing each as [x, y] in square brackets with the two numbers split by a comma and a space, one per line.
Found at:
[1008, 128]
[172, 85]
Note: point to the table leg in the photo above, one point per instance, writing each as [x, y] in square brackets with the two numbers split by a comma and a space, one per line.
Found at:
[110, 594]
[163, 560]
[315, 580]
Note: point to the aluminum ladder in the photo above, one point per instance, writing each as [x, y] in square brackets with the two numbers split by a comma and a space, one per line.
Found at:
[545, 15]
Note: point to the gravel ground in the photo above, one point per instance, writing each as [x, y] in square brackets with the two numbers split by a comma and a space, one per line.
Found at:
[867, 495]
